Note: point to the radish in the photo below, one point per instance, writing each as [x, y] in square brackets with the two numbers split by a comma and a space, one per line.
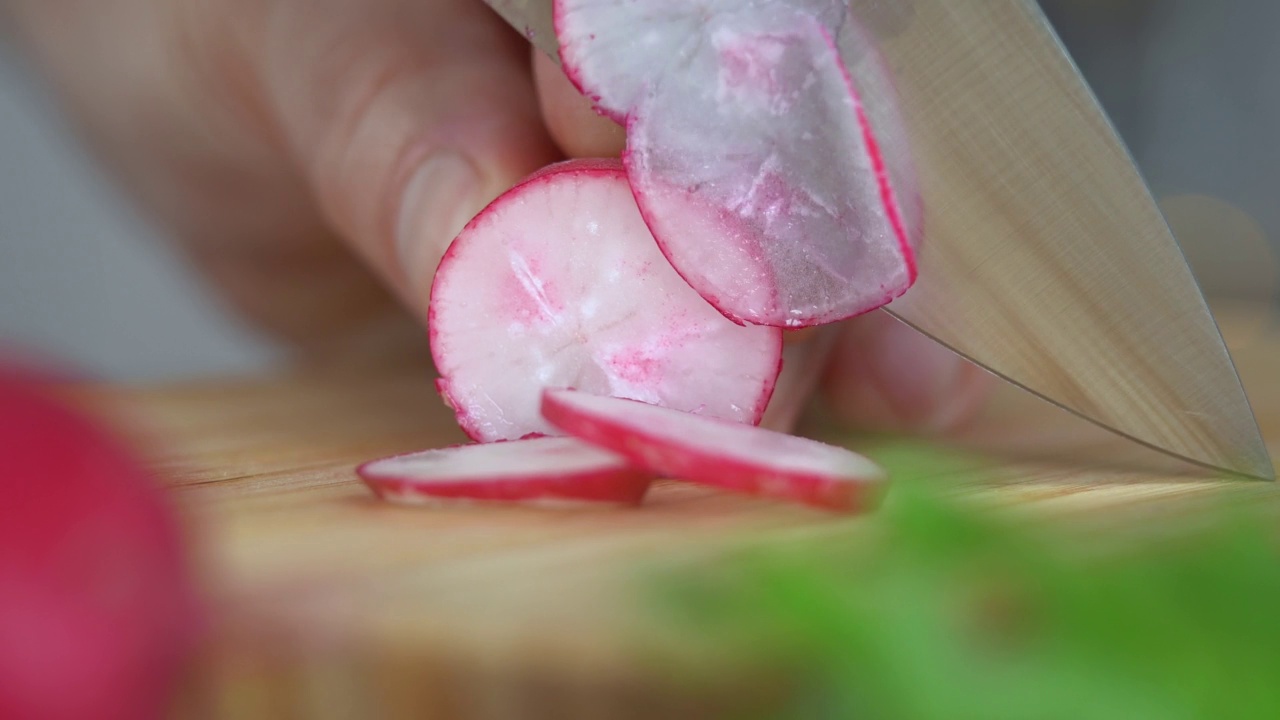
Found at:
[539, 471]
[718, 452]
[559, 283]
[754, 162]
[98, 607]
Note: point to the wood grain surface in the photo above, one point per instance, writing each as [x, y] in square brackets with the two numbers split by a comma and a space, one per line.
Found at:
[329, 603]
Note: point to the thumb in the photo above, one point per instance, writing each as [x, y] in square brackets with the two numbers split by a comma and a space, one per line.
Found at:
[405, 119]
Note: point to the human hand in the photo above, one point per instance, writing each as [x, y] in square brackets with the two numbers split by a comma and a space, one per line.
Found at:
[315, 157]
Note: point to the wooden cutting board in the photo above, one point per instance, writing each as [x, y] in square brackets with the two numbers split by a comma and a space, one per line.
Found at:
[328, 603]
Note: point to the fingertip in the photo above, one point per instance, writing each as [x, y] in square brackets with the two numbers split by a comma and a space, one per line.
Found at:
[804, 354]
[577, 129]
[885, 376]
[440, 197]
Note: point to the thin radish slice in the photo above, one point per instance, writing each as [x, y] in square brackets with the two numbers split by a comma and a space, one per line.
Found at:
[752, 158]
[551, 471]
[721, 453]
[879, 98]
[558, 283]
[615, 51]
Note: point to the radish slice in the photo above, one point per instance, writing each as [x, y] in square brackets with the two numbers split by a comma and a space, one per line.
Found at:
[750, 153]
[558, 283]
[879, 99]
[550, 471]
[716, 452]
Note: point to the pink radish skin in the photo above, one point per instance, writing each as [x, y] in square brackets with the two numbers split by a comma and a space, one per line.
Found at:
[750, 153]
[883, 112]
[548, 471]
[559, 283]
[98, 607]
[719, 453]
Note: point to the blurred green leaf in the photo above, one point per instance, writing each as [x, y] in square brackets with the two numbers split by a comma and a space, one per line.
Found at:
[945, 610]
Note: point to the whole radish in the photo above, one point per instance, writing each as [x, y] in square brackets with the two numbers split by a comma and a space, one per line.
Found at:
[97, 608]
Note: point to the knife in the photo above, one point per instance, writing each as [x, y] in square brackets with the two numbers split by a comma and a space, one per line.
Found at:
[1046, 259]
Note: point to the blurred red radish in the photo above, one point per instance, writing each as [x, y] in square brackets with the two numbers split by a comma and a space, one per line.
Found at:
[97, 610]
[559, 283]
[753, 159]
[551, 471]
[717, 452]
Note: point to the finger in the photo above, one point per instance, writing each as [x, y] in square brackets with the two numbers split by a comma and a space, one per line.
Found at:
[804, 355]
[406, 118]
[885, 376]
[193, 147]
[578, 130]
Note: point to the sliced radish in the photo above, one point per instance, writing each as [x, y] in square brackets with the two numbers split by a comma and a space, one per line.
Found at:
[719, 452]
[558, 283]
[540, 471]
[879, 100]
[750, 153]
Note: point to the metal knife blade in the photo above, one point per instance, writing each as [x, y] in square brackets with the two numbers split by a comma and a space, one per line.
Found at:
[1045, 260]
[534, 20]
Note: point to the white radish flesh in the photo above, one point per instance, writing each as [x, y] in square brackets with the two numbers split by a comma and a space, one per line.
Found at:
[558, 283]
[551, 471]
[750, 154]
[720, 453]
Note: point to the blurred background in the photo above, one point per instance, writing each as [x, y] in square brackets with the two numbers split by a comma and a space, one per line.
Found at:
[1191, 85]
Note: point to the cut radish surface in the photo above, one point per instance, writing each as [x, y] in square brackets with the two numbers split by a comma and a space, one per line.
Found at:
[716, 452]
[750, 153]
[540, 471]
[558, 283]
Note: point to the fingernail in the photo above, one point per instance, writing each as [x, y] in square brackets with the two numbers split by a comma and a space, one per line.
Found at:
[440, 199]
[900, 380]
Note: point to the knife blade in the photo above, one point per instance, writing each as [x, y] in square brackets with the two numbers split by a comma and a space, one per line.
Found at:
[1046, 259]
[532, 18]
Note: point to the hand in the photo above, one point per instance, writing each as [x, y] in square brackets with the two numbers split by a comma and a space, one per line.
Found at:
[315, 157]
